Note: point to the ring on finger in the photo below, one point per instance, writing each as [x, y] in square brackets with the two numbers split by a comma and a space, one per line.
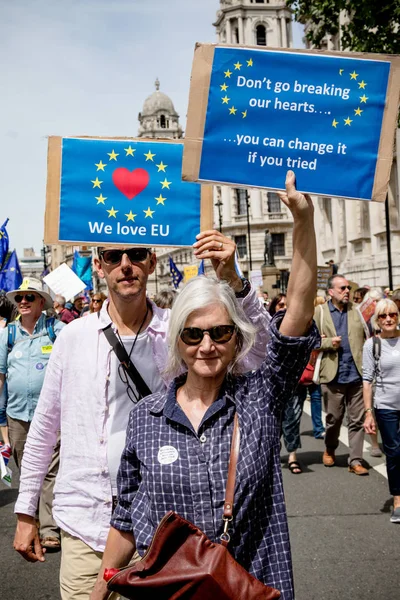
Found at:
[221, 245]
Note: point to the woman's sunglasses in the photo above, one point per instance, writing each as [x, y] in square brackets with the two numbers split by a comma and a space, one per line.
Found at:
[97, 300]
[393, 315]
[28, 297]
[220, 334]
[114, 257]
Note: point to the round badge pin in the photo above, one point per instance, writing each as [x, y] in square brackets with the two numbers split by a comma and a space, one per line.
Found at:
[18, 354]
[167, 455]
[40, 366]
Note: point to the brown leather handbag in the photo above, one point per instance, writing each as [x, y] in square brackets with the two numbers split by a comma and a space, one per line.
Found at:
[181, 563]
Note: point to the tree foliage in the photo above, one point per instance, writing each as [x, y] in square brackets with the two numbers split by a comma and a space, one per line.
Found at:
[364, 25]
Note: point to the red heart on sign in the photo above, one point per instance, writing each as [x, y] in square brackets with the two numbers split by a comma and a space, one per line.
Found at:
[130, 183]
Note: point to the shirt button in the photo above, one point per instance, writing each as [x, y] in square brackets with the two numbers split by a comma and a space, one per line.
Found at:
[101, 440]
[203, 438]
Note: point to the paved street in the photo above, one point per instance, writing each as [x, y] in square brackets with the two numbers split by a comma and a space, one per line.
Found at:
[344, 546]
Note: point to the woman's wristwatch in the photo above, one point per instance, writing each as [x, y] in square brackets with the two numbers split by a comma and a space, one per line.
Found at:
[367, 410]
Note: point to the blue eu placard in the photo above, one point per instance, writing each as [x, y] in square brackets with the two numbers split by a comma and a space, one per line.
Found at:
[126, 192]
[319, 115]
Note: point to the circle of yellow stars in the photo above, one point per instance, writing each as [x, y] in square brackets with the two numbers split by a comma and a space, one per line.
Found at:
[150, 156]
[362, 100]
[224, 87]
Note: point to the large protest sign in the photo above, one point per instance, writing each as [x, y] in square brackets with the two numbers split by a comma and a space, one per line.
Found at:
[122, 191]
[330, 117]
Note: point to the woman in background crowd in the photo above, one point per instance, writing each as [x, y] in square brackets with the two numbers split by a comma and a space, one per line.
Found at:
[97, 302]
[383, 367]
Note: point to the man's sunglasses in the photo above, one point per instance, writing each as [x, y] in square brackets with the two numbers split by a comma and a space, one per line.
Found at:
[28, 297]
[220, 334]
[345, 287]
[393, 315]
[114, 257]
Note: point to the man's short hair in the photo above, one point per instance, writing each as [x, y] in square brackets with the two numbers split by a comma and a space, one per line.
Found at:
[60, 300]
[395, 295]
[332, 279]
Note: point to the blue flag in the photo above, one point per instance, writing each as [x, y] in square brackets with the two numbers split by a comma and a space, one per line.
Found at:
[4, 241]
[11, 276]
[175, 273]
[82, 267]
[200, 270]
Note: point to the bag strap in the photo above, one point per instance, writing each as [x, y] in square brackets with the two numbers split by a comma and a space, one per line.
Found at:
[122, 355]
[10, 336]
[230, 483]
[376, 349]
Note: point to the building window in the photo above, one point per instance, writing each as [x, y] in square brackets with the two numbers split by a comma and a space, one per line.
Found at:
[274, 203]
[241, 201]
[261, 35]
[365, 227]
[236, 35]
[241, 245]
[327, 207]
[162, 121]
[358, 247]
[278, 242]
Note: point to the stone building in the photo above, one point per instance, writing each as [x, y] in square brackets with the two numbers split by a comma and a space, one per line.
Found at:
[159, 118]
[353, 233]
[239, 211]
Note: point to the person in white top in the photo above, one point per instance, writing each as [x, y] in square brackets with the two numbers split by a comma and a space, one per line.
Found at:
[381, 363]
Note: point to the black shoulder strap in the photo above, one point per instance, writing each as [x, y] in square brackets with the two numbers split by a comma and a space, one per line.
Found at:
[122, 355]
[376, 349]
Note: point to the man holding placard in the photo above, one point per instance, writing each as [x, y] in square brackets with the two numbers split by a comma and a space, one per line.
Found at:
[101, 366]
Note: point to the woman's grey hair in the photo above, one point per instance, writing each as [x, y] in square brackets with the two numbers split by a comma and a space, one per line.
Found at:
[386, 304]
[202, 292]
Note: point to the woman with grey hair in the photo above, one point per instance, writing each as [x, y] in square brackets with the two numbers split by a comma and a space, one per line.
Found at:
[178, 443]
[381, 364]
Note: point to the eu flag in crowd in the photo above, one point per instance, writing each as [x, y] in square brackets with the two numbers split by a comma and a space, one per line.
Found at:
[82, 267]
[4, 241]
[201, 270]
[175, 273]
[11, 276]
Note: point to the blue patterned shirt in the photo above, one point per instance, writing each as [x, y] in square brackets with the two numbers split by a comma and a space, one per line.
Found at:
[166, 465]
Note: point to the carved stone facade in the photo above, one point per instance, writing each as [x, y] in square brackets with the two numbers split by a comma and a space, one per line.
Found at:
[353, 232]
[254, 23]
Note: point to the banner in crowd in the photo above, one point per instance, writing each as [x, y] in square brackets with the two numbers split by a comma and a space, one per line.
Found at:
[122, 192]
[330, 117]
[64, 281]
[4, 243]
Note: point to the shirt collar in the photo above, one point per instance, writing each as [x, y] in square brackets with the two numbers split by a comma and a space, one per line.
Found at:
[39, 325]
[332, 308]
[157, 323]
[165, 403]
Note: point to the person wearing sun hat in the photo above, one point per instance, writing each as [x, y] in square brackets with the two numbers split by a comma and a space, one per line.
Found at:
[25, 348]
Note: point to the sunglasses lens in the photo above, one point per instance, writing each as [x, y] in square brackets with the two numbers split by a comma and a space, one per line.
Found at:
[114, 257]
[391, 315]
[28, 297]
[111, 257]
[191, 336]
[222, 333]
[137, 254]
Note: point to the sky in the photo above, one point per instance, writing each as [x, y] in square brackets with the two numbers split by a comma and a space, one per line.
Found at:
[84, 67]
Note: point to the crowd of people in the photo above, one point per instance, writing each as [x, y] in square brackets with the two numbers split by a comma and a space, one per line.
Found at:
[152, 393]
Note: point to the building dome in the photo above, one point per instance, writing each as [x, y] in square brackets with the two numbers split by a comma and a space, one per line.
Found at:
[158, 102]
